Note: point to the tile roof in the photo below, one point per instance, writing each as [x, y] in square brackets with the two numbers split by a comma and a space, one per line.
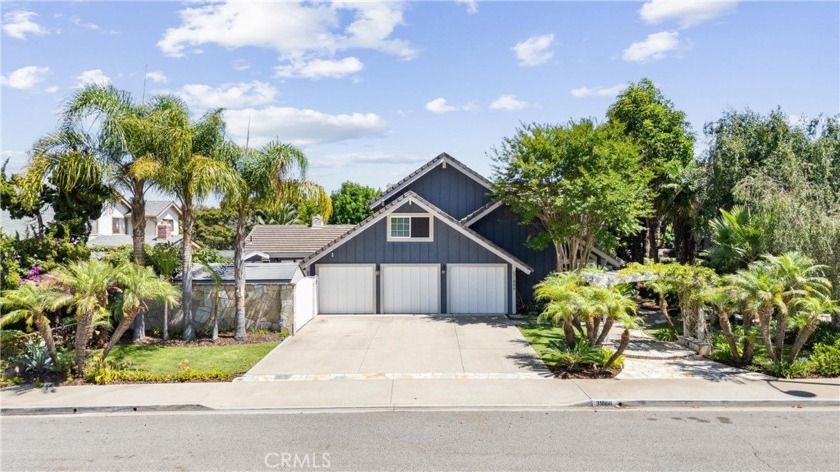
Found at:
[294, 240]
[277, 272]
[427, 167]
[438, 212]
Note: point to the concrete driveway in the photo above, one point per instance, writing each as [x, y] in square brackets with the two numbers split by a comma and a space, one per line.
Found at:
[402, 346]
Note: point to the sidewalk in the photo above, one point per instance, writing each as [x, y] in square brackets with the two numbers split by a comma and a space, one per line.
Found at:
[422, 394]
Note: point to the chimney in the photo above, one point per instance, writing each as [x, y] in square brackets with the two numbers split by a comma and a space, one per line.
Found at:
[317, 221]
[163, 231]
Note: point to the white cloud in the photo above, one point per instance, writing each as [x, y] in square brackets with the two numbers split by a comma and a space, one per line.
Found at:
[685, 12]
[78, 22]
[230, 95]
[18, 24]
[439, 105]
[535, 50]
[584, 92]
[301, 127]
[301, 33]
[653, 48]
[472, 5]
[93, 76]
[508, 102]
[361, 158]
[156, 76]
[51, 89]
[318, 68]
[25, 77]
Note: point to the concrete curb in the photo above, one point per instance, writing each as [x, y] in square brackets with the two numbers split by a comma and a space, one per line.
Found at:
[594, 404]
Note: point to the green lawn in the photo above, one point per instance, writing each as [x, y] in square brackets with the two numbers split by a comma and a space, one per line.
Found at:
[540, 335]
[157, 359]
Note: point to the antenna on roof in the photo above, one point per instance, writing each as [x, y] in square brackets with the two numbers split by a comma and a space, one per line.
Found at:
[145, 73]
[248, 134]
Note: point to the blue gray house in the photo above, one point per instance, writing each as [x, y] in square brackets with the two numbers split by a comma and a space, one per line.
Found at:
[436, 243]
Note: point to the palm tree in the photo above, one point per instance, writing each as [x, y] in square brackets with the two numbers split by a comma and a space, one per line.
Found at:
[272, 175]
[725, 299]
[88, 282]
[138, 285]
[809, 310]
[737, 240]
[564, 300]
[279, 214]
[164, 259]
[662, 288]
[118, 143]
[31, 301]
[187, 163]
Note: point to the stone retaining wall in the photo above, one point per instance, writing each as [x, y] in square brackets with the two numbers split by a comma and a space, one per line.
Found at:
[268, 307]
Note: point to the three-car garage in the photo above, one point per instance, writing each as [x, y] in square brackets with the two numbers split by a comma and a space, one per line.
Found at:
[412, 288]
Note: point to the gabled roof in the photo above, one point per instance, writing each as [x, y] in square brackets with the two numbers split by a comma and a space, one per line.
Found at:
[480, 213]
[292, 240]
[442, 158]
[154, 208]
[255, 273]
[412, 197]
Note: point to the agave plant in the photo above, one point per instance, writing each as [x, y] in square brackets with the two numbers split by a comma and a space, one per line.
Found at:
[37, 358]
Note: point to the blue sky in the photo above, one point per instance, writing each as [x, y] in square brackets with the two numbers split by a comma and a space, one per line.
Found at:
[372, 90]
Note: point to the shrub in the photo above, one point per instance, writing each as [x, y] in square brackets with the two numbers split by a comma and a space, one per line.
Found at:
[825, 359]
[107, 372]
[665, 334]
[36, 358]
[580, 355]
[721, 351]
[12, 343]
[824, 334]
[787, 370]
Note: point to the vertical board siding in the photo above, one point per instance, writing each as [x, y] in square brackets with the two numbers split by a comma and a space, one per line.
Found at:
[502, 227]
[449, 189]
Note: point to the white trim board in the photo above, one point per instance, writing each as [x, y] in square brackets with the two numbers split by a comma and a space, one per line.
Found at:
[411, 197]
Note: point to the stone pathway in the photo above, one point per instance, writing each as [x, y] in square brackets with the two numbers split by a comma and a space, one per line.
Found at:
[648, 358]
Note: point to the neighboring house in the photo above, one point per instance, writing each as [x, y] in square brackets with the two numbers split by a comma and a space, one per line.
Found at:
[114, 227]
[436, 243]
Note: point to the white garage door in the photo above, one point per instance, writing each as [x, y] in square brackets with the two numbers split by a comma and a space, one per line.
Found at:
[478, 289]
[346, 288]
[410, 288]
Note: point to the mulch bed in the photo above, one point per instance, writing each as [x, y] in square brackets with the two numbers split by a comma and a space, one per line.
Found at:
[563, 372]
[225, 339]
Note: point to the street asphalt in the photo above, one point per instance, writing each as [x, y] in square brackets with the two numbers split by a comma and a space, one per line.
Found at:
[655, 439]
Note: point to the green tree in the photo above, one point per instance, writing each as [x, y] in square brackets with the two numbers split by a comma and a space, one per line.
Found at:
[187, 162]
[277, 214]
[583, 183]
[351, 203]
[737, 240]
[665, 140]
[274, 173]
[138, 285]
[32, 301]
[121, 136]
[215, 227]
[88, 282]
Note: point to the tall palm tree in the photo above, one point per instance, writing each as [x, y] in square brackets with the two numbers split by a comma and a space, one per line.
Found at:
[31, 301]
[118, 142]
[274, 174]
[88, 282]
[279, 214]
[187, 163]
[138, 285]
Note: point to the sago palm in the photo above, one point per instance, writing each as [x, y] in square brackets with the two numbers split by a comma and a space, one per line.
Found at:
[31, 302]
[187, 163]
[138, 285]
[274, 174]
[88, 283]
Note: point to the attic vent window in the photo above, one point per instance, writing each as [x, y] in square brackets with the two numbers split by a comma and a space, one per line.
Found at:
[410, 228]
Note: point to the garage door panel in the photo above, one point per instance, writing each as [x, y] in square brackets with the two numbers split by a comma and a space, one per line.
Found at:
[410, 288]
[346, 289]
[479, 289]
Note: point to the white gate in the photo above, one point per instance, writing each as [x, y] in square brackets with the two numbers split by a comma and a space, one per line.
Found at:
[306, 302]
